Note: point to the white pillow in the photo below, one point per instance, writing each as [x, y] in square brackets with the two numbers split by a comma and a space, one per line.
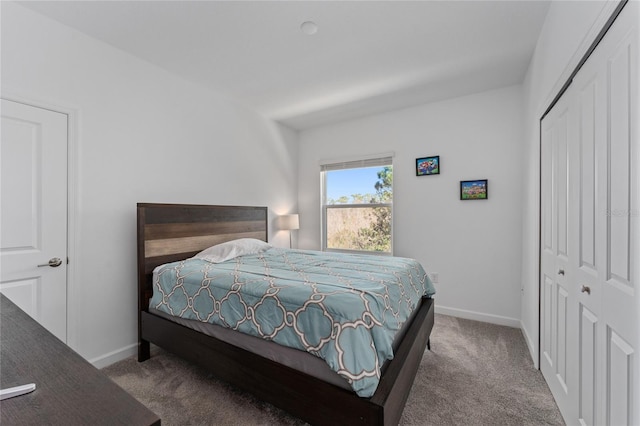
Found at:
[232, 249]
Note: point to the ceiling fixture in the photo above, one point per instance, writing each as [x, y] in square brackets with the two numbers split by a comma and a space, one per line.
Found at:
[309, 27]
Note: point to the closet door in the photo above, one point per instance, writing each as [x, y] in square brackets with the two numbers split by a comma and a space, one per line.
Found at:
[558, 329]
[598, 292]
[617, 206]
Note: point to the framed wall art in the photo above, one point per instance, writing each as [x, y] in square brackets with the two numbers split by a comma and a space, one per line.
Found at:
[426, 166]
[474, 189]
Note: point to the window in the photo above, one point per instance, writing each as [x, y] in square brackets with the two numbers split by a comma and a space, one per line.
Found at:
[357, 201]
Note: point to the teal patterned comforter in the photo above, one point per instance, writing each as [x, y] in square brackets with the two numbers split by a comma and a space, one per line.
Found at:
[343, 308]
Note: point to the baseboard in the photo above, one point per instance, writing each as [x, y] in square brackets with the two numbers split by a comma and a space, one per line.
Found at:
[478, 316]
[533, 351]
[115, 356]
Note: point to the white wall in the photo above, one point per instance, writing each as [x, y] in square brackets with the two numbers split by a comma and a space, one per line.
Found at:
[473, 245]
[143, 135]
[569, 29]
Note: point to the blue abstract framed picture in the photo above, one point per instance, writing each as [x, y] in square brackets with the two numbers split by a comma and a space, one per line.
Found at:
[426, 166]
[474, 189]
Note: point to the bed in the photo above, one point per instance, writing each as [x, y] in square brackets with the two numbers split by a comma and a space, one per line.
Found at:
[171, 233]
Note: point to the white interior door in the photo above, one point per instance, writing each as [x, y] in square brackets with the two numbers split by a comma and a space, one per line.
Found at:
[558, 331]
[601, 275]
[33, 213]
[616, 67]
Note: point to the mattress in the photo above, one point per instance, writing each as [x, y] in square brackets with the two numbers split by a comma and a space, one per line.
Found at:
[345, 310]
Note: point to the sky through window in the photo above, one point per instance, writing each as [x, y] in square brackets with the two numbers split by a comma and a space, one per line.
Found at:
[352, 181]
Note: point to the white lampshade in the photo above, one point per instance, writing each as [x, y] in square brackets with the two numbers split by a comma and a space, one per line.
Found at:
[289, 222]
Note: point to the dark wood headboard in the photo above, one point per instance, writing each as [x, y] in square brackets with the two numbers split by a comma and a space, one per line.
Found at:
[172, 232]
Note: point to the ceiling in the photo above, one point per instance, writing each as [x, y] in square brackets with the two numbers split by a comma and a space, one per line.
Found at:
[366, 57]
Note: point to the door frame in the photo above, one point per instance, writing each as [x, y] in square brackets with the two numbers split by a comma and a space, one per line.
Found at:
[73, 114]
[604, 21]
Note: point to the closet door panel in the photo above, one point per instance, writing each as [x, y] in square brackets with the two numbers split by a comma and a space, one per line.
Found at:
[619, 185]
[619, 383]
[588, 166]
[588, 358]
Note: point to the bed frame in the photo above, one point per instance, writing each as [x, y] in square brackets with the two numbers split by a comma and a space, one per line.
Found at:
[170, 232]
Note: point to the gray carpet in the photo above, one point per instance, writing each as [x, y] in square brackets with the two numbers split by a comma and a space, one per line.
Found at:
[475, 374]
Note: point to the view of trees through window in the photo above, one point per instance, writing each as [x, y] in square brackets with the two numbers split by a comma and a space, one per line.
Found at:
[358, 209]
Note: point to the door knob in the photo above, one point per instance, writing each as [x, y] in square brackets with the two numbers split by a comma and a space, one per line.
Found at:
[54, 262]
[586, 289]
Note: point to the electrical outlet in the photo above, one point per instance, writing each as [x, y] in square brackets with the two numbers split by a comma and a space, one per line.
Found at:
[434, 277]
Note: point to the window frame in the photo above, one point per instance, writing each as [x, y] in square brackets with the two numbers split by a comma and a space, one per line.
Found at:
[381, 160]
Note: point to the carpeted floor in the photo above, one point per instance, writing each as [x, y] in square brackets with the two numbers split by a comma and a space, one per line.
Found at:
[475, 374]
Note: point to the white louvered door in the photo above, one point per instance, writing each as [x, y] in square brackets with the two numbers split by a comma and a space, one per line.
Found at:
[589, 316]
